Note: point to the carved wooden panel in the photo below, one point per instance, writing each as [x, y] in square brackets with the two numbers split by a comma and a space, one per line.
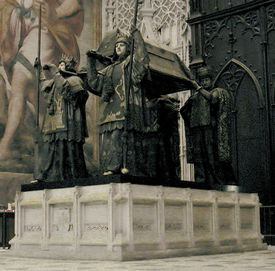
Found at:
[248, 126]
[239, 45]
[215, 36]
[211, 6]
[270, 11]
[227, 37]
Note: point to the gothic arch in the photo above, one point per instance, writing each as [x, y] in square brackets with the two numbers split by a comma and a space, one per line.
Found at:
[237, 75]
[248, 129]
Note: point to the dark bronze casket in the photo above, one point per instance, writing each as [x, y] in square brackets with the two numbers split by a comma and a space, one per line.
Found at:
[168, 74]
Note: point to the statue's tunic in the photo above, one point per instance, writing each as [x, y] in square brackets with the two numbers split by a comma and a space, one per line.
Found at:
[111, 85]
[65, 116]
[112, 113]
[64, 128]
[207, 126]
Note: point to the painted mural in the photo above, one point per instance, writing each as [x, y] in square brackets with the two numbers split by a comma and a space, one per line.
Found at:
[65, 30]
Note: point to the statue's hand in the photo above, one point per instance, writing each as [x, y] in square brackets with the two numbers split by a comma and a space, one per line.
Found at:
[92, 54]
[106, 98]
[37, 63]
[196, 86]
[133, 29]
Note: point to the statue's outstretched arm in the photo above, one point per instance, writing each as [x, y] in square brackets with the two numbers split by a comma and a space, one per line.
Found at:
[206, 94]
[93, 78]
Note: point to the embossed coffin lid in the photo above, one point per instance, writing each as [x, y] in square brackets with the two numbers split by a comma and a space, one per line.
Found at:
[168, 73]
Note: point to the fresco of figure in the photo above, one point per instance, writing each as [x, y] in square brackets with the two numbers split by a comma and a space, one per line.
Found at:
[64, 127]
[110, 84]
[3, 98]
[62, 21]
[207, 122]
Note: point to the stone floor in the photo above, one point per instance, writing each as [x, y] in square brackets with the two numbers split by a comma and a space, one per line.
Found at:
[248, 261]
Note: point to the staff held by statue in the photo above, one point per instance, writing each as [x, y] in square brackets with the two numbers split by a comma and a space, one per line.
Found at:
[127, 92]
[37, 65]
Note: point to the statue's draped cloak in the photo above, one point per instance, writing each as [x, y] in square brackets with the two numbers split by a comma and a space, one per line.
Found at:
[64, 129]
[142, 127]
[198, 112]
[65, 117]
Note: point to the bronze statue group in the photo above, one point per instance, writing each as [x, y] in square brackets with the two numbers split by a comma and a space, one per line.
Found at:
[130, 133]
[138, 133]
[131, 141]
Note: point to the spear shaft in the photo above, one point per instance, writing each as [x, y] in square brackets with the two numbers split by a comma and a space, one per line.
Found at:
[128, 87]
[37, 109]
[38, 69]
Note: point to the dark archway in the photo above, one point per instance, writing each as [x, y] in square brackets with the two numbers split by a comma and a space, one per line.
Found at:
[248, 129]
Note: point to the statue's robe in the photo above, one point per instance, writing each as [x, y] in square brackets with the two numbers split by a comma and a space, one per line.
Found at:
[208, 127]
[64, 129]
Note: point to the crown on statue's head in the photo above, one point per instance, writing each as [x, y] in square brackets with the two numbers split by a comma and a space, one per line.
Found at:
[122, 37]
[69, 61]
[205, 71]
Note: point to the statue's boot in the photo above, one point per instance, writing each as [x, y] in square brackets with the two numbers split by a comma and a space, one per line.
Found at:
[108, 173]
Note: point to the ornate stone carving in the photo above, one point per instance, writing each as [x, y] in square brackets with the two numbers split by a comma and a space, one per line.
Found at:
[95, 227]
[125, 14]
[143, 227]
[270, 14]
[232, 77]
[250, 21]
[168, 12]
[162, 21]
[32, 228]
[61, 219]
[212, 30]
[173, 226]
[108, 232]
[232, 74]
[109, 16]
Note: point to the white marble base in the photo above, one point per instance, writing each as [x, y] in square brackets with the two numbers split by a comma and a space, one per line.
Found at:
[126, 222]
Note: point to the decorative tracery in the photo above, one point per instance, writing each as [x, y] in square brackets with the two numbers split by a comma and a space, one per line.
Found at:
[270, 12]
[168, 12]
[125, 14]
[161, 20]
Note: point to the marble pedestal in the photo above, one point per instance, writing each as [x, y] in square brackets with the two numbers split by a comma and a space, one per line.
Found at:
[126, 221]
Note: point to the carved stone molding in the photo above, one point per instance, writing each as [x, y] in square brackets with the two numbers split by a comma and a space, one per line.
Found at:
[182, 221]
